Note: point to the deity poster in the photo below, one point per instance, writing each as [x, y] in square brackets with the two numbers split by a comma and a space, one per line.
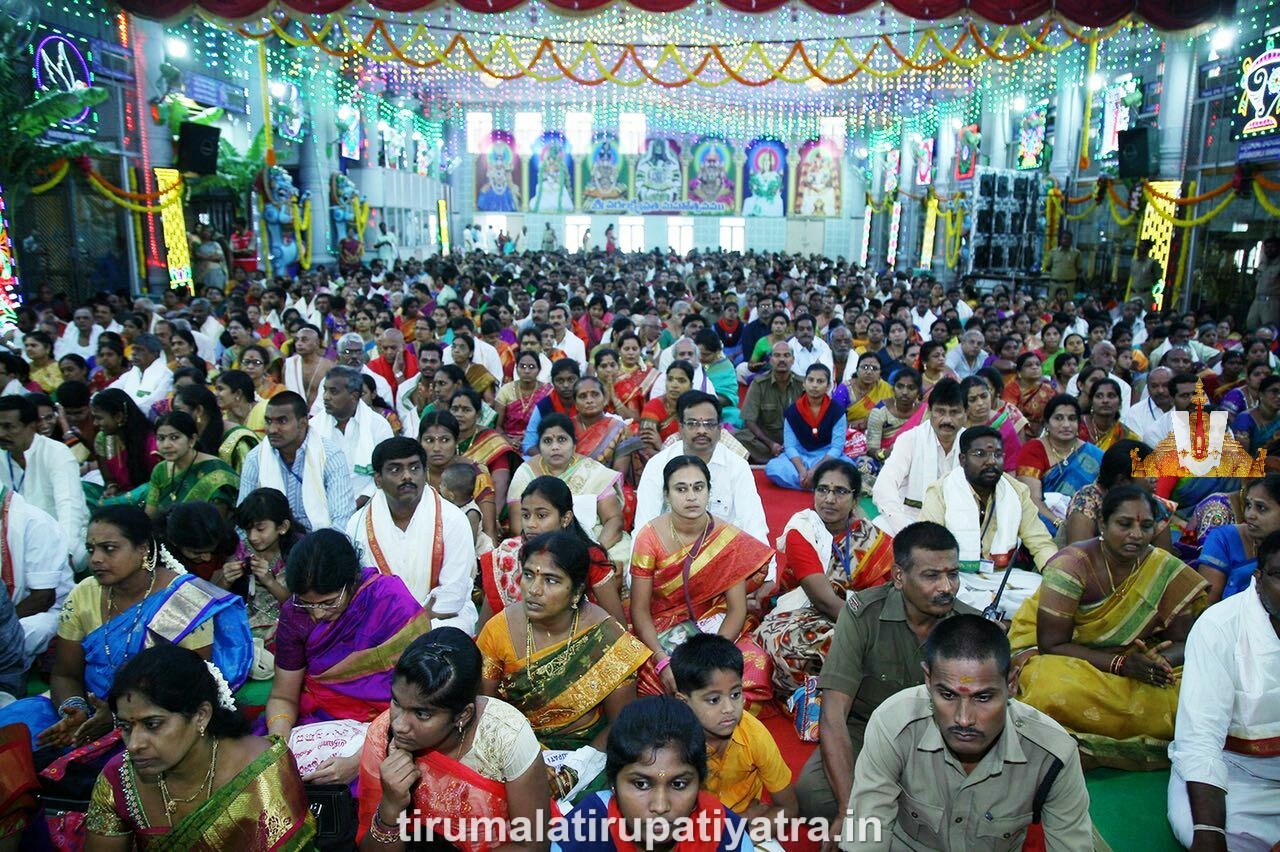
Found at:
[658, 177]
[818, 179]
[498, 188]
[765, 175]
[606, 178]
[711, 177]
[551, 175]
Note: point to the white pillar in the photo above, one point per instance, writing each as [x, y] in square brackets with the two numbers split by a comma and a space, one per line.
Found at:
[1067, 121]
[1175, 96]
[995, 136]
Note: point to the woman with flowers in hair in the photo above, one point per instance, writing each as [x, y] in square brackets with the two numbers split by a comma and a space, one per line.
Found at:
[191, 777]
[138, 595]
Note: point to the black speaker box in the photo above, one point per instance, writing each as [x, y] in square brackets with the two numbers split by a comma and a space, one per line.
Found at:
[1134, 153]
[198, 149]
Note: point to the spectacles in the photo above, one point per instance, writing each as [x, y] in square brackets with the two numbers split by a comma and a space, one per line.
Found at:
[868, 367]
[324, 606]
[708, 424]
[252, 362]
[983, 454]
[829, 490]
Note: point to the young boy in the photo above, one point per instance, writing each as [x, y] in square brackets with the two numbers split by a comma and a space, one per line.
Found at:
[458, 485]
[742, 758]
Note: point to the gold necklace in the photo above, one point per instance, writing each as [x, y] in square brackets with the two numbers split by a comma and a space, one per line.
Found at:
[678, 539]
[111, 605]
[556, 666]
[171, 802]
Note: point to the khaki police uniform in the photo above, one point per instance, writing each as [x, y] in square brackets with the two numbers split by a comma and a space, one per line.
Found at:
[1065, 267]
[873, 655]
[910, 781]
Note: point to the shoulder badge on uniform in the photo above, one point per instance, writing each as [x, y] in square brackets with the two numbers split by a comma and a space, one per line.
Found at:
[854, 603]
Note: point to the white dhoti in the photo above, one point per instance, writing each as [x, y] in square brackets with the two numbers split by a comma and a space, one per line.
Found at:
[1253, 803]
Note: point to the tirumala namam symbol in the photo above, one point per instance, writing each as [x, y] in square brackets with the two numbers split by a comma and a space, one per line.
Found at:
[1199, 446]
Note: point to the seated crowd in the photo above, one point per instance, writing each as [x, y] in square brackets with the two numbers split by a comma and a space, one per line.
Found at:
[490, 533]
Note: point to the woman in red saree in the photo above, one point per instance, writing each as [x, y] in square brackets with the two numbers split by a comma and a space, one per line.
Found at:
[516, 400]
[691, 573]
[658, 420]
[1029, 391]
[486, 447]
[457, 766]
[631, 384]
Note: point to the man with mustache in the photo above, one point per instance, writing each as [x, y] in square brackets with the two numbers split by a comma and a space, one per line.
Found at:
[920, 457]
[875, 652]
[409, 530]
[957, 764]
[988, 510]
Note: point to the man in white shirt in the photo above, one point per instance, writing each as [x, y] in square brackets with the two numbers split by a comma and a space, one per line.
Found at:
[1182, 390]
[204, 322]
[80, 337]
[1142, 415]
[43, 471]
[683, 349]
[150, 379]
[920, 457]
[1104, 355]
[566, 341]
[734, 495]
[807, 349]
[921, 317]
[1224, 787]
[409, 403]
[408, 530]
[38, 567]
[353, 426]
[351, 353]
[966, 359]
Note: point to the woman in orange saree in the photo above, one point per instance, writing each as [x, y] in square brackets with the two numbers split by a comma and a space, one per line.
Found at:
[633, 380]
[453, 765]
[691, 573]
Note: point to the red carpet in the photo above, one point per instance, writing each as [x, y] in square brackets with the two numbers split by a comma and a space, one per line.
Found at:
[780, 503]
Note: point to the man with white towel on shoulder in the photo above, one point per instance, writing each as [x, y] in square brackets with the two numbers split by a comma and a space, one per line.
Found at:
[921, 456]
[352, 425]
[409, 530]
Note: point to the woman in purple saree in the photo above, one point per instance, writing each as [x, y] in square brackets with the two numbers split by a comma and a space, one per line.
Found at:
[339, 638]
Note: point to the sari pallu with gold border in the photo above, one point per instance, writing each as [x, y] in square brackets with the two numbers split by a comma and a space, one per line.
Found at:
[728, 556]
[562, 688]
[264, 807]
[632, 387]
[453, 799]
[1119, 721]
[489, 448]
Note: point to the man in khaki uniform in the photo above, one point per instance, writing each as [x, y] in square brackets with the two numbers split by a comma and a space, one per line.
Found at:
[768, 397]
[876, 652]
[1064, 265]
[956, 764]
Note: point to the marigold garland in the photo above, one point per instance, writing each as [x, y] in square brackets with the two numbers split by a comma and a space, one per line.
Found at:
[60, 170]
[694, 63]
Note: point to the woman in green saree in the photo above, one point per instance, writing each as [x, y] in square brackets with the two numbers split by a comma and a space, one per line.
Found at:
[191, 777]
[576, 666]
[230, 442]
[185, 474]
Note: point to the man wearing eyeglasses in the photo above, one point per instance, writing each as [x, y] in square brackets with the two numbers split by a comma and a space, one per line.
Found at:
[408, 530]
[1224, 790]
[988, 510]
[351, 354]
[734, 495]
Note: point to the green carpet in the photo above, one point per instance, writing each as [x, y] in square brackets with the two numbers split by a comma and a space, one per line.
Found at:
[1129, 809]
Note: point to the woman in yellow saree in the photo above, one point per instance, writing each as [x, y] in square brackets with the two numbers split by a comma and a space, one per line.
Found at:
[691, 573]
[1105, 635]
[563, 662]
[192, 778]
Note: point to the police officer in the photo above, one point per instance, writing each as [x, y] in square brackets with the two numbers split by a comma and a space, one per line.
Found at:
[876, 652]
[956, 764]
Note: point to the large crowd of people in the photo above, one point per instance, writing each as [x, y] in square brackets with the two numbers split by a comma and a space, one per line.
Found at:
[490, 531]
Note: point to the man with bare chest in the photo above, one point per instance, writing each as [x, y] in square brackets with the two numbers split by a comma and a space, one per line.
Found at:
[304, 371]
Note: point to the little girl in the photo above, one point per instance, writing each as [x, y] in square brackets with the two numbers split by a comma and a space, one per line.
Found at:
[269, 534]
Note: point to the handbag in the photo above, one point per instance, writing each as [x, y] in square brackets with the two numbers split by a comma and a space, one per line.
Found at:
[676, 635]
[334, 810]
[806, 704]
[1034, 841]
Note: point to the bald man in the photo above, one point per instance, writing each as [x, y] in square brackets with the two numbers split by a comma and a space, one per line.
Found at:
[392, 363]
[1157, 399]
[1103, 355]
[768, 397]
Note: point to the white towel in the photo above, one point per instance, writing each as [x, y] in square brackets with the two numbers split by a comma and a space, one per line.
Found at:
[314, 502]
[293, 375]
[924, 460]
[810, 525]
[357, 445]
[962, 518]
[412, 564]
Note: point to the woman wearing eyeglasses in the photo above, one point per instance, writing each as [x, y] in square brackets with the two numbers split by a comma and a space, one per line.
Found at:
[832, 550]
[341, 632]
[255, 361]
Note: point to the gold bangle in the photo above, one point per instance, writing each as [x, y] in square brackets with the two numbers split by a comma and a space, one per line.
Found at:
[383, 834]
[271, 719]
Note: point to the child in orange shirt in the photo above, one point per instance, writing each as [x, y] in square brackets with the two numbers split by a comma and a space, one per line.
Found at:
[742, 759]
